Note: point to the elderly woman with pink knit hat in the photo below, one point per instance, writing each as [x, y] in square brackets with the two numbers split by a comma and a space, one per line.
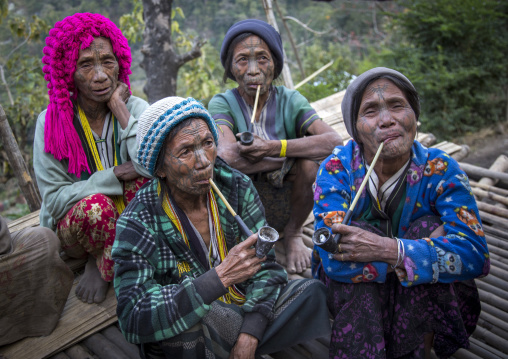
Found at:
[85, 143]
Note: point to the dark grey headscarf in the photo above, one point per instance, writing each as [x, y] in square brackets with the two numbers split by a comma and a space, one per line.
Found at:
[354, 93]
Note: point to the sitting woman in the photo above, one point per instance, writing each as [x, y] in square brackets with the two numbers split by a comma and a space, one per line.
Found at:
[402, 280]
[188, 285]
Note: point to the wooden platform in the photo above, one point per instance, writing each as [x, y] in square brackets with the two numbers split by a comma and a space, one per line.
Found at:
[80, 321]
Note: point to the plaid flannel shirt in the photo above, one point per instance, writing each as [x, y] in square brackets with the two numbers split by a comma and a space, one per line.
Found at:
[161, 287]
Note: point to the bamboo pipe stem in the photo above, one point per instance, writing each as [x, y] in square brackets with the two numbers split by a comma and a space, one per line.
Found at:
[255, 106]
[228, 206]
[367, 176]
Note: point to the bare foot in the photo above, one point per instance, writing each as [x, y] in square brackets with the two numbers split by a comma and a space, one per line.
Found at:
[297, 253]
[91, 287]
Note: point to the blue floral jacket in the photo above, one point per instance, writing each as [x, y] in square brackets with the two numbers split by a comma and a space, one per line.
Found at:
[435, 186]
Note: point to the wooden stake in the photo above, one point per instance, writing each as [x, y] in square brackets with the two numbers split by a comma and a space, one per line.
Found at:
[303, 82]
[25, 181]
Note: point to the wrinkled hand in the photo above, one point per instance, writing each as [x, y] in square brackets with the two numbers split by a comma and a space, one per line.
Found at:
[240, 264]
[259, 149]
[245, 347]
[358, 245]
[120, 95]
[125, 172]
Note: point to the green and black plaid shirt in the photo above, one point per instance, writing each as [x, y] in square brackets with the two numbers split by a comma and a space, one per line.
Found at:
[162, 288]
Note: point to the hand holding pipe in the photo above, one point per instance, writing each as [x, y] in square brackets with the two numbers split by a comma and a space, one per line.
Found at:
[247, 138]
[267, 236]
[322, 237]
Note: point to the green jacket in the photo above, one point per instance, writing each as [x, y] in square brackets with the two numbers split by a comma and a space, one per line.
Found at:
[155, 300]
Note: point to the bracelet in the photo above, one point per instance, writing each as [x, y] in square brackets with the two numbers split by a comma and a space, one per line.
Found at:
[401, 253]
[284, 145]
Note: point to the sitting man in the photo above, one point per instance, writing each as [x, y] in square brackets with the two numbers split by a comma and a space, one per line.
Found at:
[85, 143]
[188, 285]
[34, 283]
[252, 56]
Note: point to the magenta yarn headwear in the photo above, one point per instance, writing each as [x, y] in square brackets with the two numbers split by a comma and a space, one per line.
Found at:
[61, 52]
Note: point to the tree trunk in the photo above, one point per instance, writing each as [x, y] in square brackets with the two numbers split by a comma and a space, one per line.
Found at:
[25, 181]
[286, 73]
[160, 60]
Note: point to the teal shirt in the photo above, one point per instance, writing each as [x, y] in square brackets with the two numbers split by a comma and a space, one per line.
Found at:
[289, 114]
[61, 190]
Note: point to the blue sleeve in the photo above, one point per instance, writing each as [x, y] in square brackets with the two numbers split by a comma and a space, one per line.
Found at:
[333, 191]
[462, 253]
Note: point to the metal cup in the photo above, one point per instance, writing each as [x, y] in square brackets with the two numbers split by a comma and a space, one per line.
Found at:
[246, 138]
[323, 239]
[267, 236]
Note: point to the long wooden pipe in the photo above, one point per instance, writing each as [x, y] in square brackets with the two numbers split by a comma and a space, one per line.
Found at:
[243, 227]
[349, 212]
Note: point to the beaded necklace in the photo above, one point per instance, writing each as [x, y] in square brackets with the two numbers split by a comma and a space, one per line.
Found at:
[118, 200]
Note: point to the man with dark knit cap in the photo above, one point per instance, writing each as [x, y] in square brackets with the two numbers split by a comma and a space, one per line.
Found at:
[289, 137]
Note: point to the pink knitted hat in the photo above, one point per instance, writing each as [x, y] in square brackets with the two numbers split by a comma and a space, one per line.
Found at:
[61, 52]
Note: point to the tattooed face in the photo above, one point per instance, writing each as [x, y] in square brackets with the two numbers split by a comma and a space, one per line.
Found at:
[189, 159]
[252, 66]
[386, 116]
[96, 73]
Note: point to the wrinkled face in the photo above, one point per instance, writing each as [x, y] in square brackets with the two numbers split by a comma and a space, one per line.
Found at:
[385, 116]
[253, 65]
[96, 73]
[189, 159]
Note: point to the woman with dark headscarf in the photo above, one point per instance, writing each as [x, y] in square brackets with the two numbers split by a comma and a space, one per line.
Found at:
[289, 137]
[402, 279]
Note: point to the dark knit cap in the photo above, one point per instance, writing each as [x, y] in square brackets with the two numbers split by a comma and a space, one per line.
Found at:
[261, 29]
[355, 90]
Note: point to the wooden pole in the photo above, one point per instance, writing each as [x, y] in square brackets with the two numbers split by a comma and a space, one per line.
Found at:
[290, 36]
[498, 211]
[483, 172]
[481, 193]
[492, 189]
[500, 165]
[286, 73]
[25, 181]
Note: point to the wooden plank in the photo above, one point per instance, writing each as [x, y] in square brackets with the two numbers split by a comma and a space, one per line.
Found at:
[30, 220]
[79, 320]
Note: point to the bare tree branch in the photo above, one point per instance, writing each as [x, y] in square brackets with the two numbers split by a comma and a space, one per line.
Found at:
[374, 23]
[193, 53]
[306, 27]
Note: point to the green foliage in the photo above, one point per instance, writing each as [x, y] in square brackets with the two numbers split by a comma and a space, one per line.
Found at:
[4, 8]
[335, 78]
[23, 78]
[132, 24]
[455, 53]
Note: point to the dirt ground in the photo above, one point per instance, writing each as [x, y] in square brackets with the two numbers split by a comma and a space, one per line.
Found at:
[486, 145]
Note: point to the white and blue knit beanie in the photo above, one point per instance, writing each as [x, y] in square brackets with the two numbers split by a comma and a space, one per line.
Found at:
[157, 121]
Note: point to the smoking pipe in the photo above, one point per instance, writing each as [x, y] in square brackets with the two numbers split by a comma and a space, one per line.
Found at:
[323, 237]
[247, 138]
[267, 236]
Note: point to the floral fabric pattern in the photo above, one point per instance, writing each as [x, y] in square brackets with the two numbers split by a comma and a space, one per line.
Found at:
[90, 225]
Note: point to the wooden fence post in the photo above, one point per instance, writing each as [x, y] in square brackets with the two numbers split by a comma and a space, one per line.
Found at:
[19, 166]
